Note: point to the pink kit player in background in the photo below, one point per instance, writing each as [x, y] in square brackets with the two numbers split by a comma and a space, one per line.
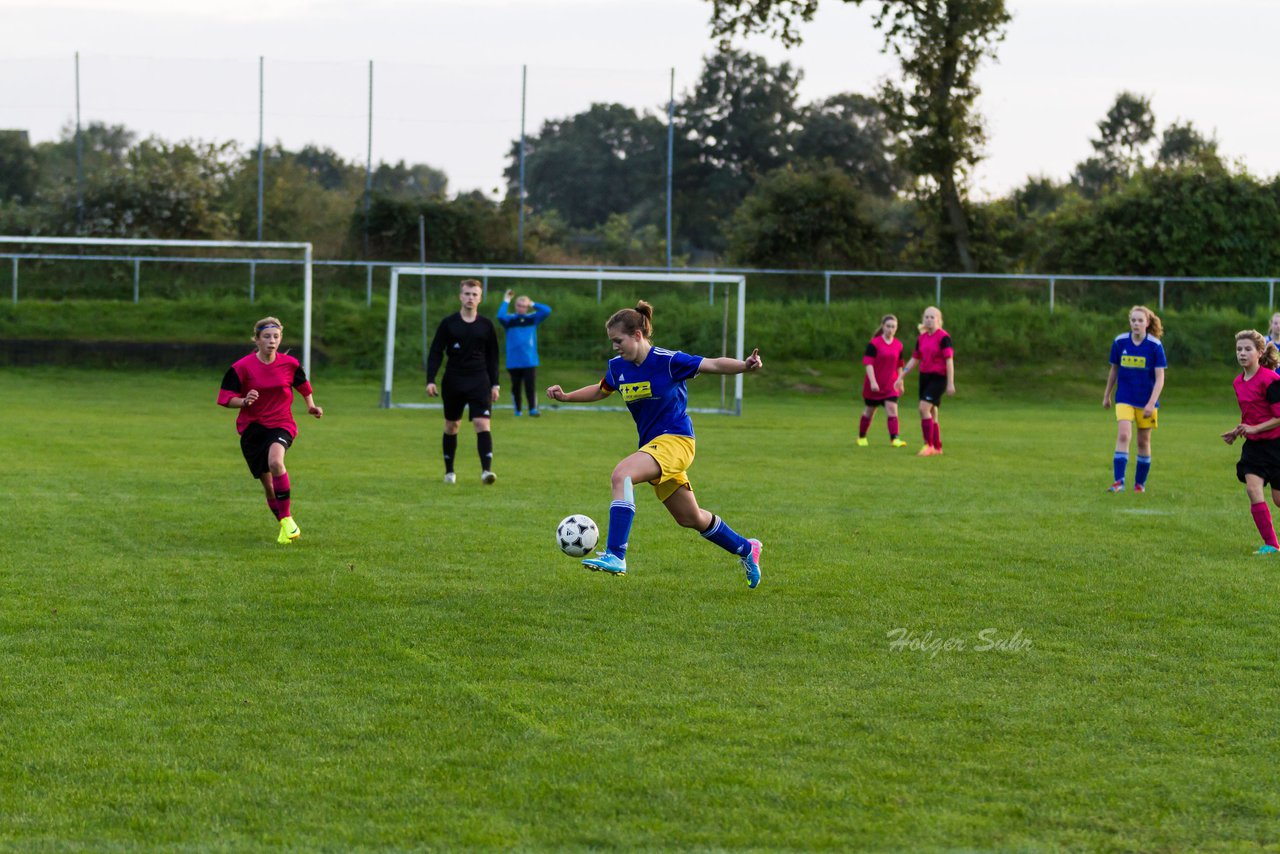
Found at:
[882, 360]
[261, 386]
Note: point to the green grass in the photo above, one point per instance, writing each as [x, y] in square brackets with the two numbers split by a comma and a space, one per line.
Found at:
[425, 670]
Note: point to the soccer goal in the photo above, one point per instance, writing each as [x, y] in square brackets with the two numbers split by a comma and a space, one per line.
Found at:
[715, 324]
[105, 242]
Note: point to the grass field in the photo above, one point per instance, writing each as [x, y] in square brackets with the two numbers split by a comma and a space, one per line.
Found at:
[425, 670]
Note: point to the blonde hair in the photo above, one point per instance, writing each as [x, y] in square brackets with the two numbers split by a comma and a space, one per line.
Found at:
[266, 323]
[880, 328]
[1268, 355]
[471, 283]
[1154, 327]
[632, 319]
[928, 309]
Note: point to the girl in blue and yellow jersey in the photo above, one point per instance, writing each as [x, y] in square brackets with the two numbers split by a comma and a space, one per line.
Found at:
[1258, 392]
[1137, 378]
[652, 383]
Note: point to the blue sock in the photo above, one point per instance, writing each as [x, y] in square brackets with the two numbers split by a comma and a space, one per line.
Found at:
[621, 514]
[725, 537]
[1141, 469]
[1121, 460]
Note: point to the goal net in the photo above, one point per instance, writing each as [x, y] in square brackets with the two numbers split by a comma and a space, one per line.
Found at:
[697, 312]
[111, 263]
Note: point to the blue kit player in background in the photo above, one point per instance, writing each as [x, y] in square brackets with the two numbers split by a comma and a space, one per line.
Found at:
[652, 383]
[1137, 377]
[522, 345]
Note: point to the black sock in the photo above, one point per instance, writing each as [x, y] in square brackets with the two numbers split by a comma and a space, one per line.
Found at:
[484, 445]
[450, 446]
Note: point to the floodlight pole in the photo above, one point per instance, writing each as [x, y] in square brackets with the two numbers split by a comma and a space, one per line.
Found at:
[79, 156]
[671, 147]
[524, 90]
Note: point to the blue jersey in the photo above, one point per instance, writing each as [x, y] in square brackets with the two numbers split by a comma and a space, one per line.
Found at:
[1136, 368]
[654, 391]
[522, 334]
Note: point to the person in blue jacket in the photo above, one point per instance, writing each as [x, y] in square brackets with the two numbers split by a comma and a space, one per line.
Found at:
[522, 345]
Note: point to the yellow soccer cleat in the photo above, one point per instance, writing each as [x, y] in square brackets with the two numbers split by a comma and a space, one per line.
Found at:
[862, 442]
[898, 443]
[289, 531]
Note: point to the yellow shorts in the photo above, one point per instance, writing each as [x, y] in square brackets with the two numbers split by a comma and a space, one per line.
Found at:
[674, 455]
[1125, 412]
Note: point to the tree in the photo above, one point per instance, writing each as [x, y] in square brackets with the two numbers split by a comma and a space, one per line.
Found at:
[418, 181]
[852, 131]
[939, 45]
[738, 123]
[306, 195]
[1182, 144]
[1123, 133]
[1186, 221]
[1129, 125]
[18, 168]
[605, 161]
[805, 218]
[161, 191]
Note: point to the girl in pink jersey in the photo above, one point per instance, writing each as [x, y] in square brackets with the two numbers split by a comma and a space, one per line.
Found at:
[883, 359]
[261, 386]
[1258, 392]
[935, 357]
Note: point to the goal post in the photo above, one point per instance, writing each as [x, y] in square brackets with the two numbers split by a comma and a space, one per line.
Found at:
[304, 248]
[564, 275]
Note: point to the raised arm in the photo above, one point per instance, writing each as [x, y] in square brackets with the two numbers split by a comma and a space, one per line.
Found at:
[729, 365]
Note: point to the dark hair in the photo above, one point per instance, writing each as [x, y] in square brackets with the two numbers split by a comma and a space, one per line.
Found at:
[632, 319]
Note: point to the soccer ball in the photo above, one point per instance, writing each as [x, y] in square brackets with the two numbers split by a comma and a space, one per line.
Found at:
[577, 535]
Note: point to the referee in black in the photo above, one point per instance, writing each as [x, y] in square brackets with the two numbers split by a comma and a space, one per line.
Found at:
[470, 377]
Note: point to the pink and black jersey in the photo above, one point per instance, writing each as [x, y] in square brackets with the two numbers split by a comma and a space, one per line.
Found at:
[1259, 398]
[885, 358]
[275, 383]
[932, 351]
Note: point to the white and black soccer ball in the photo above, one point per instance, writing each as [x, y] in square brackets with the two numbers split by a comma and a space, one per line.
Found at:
[577, 535]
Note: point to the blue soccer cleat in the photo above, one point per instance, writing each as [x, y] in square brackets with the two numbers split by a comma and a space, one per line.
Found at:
[751, 563]
[1265, 549]
[606, 562]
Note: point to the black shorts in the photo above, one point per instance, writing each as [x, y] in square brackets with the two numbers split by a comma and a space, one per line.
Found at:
[881, 402]
[476, 398]
[933, 387]
[1260, 457]
[257, 440]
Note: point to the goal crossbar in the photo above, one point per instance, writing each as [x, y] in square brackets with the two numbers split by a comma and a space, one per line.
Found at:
[304, 248]
[569, 274]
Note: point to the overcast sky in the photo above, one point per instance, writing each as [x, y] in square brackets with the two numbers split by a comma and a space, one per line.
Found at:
[447, 75]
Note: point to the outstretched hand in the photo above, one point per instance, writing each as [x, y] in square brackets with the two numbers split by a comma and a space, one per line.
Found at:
[754, 362]
[556, 393]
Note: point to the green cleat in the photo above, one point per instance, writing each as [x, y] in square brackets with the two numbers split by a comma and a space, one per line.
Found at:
[288, 531]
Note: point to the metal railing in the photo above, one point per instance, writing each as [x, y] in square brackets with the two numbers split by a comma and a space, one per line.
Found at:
[822, 278]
